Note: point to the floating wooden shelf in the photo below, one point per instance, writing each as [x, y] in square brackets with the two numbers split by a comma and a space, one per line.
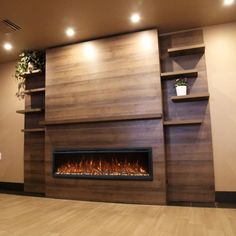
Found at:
[33, 110]
[191, 97]
[180, 51]
[182, 122]
[181, 73]
[32, 73]
[105, 119]
[37, 90]
[33, 130]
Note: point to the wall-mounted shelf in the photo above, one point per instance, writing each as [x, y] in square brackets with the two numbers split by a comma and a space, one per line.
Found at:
[33, 130]
[191, 97]
[180, 51]
[31, 74]
[182, 122]
[37, 90]
[181, 73]
[33, 110]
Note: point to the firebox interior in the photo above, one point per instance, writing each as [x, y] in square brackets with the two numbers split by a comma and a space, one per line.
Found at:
[135, 163]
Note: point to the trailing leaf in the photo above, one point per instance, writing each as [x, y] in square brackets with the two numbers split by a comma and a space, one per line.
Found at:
[37, 58]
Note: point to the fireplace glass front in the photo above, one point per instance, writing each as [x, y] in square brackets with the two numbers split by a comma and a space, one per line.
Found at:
[126, 164]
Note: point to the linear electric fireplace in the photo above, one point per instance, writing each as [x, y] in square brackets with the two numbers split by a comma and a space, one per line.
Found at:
[126, 164]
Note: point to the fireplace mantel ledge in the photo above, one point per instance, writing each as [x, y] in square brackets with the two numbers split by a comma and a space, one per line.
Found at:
[102, 119]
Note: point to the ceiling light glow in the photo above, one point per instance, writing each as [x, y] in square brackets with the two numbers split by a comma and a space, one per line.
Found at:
[70, 32]
[7, 46]
[228, 2]
[146, 42]
[135, 18]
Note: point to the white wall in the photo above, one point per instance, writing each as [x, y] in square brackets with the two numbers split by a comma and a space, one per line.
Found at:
[220, 44]
[11, 138]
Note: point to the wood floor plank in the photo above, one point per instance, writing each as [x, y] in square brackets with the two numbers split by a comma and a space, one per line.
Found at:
[21, 215]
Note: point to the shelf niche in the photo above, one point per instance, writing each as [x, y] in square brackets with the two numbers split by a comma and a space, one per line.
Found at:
[188, 50]
[34, 130]
[37, 90]
[181, 73]
[182, 122]
[191, 97]
[33, 110]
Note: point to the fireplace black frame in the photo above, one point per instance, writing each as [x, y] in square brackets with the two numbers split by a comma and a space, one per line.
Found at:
[104, 150]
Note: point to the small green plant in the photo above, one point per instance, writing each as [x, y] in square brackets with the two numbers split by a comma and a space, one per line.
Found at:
[181, 82]
[28, 61]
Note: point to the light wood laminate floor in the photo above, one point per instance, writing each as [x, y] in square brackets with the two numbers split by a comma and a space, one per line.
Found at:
[33, 216]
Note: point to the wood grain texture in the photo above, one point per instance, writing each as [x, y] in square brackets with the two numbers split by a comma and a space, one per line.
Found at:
[105, 119]
[189, 152]
[179, 74]
[124, 134]
[106, 94]
[33, 110]
[21, 215]
[37, 90]
[186, 50]
[112, 77]
[33, 130]
[34, 175]
[191, 97]
[182, 122]
[34, 137]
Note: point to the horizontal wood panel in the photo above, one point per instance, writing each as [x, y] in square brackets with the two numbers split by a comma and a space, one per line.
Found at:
[123, 134]
[110, 77]
[104, 119]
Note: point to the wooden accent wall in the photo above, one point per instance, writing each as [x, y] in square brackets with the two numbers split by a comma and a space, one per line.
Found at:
[110, 90]
[124, 134]
[188, 146]
[102, 79]
[108, 93]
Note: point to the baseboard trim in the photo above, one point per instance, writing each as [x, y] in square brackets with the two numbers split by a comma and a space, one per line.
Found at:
[9, 186]
[228, 197]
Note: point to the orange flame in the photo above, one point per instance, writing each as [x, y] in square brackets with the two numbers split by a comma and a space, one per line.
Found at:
[99, 167]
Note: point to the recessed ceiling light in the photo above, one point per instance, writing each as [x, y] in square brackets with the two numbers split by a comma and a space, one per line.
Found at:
[70, 32]
[7, 46]
[228, 2]
[135, 18]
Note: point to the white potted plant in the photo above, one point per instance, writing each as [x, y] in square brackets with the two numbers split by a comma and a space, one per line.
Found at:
[181, 87]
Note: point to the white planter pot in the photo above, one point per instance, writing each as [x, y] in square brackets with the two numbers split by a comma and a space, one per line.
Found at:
[181, 90]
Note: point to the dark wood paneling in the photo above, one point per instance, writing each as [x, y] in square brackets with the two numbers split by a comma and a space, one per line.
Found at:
[105, 119]
[106, 78]
[191, 97]
[178, 74]
[125, 134]
[34, 146]
[34, 175]
[189, 155]
[186, 50]
[106, 94]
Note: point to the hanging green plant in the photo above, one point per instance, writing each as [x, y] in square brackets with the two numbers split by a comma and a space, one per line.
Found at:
[28, 62]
